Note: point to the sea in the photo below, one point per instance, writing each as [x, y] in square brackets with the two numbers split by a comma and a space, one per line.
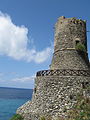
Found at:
[11, 99]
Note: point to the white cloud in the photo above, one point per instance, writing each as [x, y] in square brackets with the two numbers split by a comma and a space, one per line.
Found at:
[14, 40]
[24, 79]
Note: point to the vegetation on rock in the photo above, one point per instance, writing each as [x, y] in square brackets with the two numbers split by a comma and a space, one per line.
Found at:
[42, 118]
[81, 111]
[80, 47]
[17, 117]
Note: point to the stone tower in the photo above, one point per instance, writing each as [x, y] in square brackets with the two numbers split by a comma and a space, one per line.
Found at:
[56, 89]
[68, 33]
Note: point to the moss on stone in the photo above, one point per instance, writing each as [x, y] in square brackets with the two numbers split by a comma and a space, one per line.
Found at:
[80, 47]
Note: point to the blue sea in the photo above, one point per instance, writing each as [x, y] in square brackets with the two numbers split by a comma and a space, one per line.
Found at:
[11, 99]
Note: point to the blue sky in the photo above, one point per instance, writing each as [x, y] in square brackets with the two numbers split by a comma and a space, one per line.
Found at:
[27, 36]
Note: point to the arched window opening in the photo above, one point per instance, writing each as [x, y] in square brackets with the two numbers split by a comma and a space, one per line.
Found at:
[77, 41]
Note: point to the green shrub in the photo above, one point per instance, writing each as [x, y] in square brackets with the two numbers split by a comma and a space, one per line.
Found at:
[81, 47]
[81, 111]
[17, 117]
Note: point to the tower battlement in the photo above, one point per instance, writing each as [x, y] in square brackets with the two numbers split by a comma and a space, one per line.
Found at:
[73, 20]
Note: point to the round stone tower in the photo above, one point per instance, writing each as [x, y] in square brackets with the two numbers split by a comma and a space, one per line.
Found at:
[56, 89]
[69, 32]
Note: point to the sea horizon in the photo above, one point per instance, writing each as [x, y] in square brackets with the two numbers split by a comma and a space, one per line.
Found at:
[17, 88]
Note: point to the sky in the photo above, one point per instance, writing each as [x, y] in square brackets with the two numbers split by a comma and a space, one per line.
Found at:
[27, 36]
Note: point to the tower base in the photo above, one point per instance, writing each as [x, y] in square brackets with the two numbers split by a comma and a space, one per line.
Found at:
[54, 96]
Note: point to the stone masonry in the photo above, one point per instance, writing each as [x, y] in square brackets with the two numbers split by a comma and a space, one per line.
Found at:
[56, 89]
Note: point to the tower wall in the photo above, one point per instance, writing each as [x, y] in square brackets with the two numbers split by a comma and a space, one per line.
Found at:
[54, 96]
[69, 59]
